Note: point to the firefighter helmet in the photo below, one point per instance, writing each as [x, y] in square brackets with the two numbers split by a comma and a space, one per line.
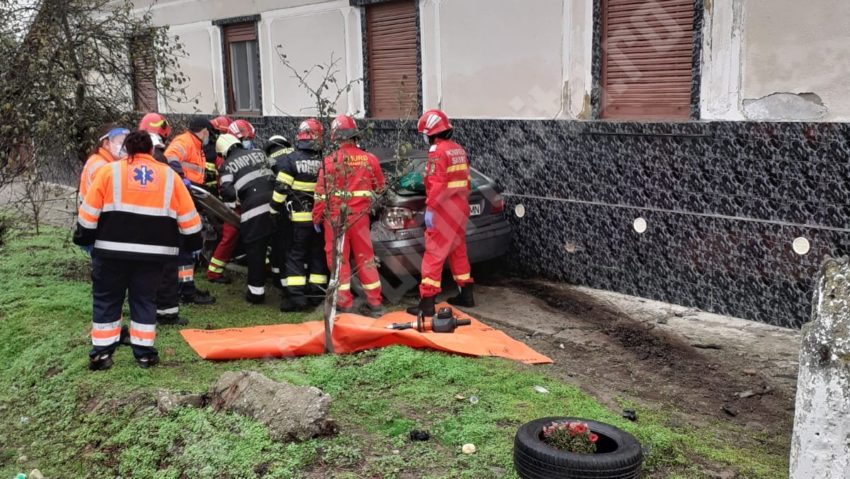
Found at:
[433, 122]
[221, 123]
[242, 129]
[343, 128]
[281, 141]
[156, 124]
[224, 143]
[310, 129]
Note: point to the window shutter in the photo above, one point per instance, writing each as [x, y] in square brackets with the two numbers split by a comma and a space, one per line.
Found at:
[647, 59]
[144, 73]
[392, 58]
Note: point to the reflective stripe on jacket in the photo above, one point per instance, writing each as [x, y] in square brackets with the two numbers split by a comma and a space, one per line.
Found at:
[186, 151]
[138, 210]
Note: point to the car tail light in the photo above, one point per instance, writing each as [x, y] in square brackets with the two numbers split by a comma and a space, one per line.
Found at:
[497, 204]
[398, 218]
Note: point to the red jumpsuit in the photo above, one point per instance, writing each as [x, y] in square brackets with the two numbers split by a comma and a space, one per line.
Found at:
[353, 177]
[229, 240]
[447, 197]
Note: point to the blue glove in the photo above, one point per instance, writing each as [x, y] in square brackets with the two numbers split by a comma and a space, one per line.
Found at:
[429, 219]
[317, 227]
[187, 182]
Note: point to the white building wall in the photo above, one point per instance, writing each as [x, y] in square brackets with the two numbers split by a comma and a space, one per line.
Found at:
[777, 60]
[494, 58]
[293, 32]
[202, 66]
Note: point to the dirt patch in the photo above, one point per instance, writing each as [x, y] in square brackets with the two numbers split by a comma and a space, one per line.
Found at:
[77, 271]
[617, 354]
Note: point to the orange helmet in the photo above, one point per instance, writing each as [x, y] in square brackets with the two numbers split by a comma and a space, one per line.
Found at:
[221, 123]
[343, 128]
[433, 122]
[156, 124]
[310, 129]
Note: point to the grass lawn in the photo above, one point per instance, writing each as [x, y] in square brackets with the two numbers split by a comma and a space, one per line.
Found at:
[68, 422]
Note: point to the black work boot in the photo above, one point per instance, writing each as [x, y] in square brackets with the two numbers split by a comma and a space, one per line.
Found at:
[372, 310]
[220, 280]
[426, 305]
[291, 304]
[147, 361]
[200, 298]
[100, 362]
[255, 298]
[464, 298]
[171, 320]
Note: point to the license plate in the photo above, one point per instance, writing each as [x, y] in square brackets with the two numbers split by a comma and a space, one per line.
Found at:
[475, 209]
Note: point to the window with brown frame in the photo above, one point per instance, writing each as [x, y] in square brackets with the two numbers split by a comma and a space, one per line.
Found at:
[391, 54]
[143, 70]
[242, 68]
[647, 59]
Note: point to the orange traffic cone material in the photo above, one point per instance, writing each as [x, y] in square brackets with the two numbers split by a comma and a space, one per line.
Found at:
[353, 333]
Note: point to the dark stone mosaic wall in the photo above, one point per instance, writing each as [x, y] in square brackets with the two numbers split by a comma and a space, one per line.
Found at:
[723, 202]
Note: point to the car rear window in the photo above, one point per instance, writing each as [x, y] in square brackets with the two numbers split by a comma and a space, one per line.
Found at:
[410, 175]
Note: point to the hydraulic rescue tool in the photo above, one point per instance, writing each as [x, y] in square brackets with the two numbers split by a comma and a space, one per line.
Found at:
[442, 322]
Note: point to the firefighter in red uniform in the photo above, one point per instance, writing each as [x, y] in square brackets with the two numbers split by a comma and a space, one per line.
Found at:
[135, 215]
[229, 233]
[447, 186]
[350, 177]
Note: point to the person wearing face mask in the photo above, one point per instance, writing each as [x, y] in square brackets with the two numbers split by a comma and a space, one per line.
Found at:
[159, 130]
[187, 150]
[110, 147]
[244, 131]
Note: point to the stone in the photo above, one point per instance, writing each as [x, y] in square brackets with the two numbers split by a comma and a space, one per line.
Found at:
[22, 459]
[35, 474]
[819, 442]
[468, 449]
[291, 413]
[541, 390]
[167, 401]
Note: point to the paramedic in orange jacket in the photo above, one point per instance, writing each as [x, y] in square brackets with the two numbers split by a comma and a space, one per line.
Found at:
[110, 147]
[187, 150]
[136, 215]
[350, 177]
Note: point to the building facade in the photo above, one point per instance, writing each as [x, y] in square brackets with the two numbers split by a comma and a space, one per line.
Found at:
[691, 151]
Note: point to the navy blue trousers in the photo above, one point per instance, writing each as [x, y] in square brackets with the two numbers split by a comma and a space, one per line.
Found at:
[112, 279]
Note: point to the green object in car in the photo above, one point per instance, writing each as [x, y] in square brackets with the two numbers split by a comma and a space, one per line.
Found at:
[413, 181]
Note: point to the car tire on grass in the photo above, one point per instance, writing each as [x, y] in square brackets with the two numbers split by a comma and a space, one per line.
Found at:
[619, 454]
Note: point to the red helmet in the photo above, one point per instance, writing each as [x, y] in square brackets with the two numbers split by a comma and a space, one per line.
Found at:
[242, 129]
[310, 129]
[343, 128]
[156, 124]
[433, 122]
[221, 123]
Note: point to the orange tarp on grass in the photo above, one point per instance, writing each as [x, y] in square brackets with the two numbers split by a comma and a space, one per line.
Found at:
[353, 333]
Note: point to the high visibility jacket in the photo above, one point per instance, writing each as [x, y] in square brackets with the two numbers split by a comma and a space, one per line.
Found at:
[296, 183]
[246, 176]
[100, 158]
[350, 176]
[447, 181]
[139, 210]
[186, 151]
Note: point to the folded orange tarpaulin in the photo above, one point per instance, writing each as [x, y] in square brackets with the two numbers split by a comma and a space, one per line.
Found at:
[354, 333]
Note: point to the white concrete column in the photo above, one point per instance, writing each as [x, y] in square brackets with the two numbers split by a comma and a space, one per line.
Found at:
[580, 67]
[820, 446]
[720, 92]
